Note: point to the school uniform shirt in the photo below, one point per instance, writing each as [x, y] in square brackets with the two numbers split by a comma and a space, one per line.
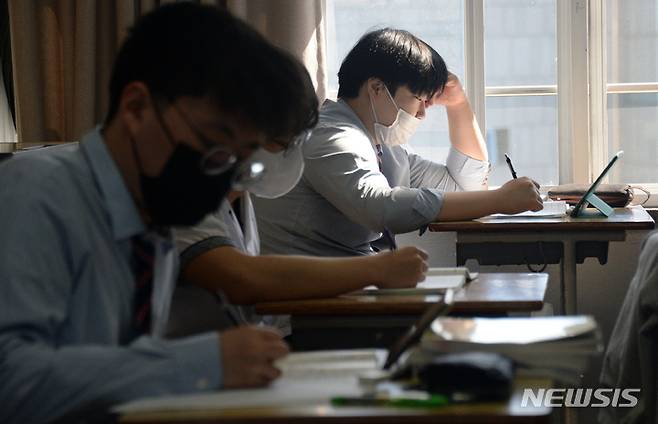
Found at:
[631, 360]
[343, 202]
[67, 335]
[195, 308]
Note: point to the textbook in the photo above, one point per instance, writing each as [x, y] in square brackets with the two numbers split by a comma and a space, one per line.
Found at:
[437, 281]
[557, 347]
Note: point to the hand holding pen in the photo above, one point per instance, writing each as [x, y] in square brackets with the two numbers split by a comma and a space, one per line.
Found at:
[520, 194]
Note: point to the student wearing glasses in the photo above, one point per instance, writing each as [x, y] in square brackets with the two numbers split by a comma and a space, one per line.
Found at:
[362, 181]
[88, 264]
[223, 274]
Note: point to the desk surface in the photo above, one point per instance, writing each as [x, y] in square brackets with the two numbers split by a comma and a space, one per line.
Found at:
[500, 412]
[493, 293]
[634, 218]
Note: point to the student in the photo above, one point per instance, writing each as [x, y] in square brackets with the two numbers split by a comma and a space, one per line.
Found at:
[221, 266]
[87, 263]
[630, 361]
[344, 202]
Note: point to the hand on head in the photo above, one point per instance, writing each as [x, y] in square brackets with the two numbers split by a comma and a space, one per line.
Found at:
[452, 94]
[248, 354]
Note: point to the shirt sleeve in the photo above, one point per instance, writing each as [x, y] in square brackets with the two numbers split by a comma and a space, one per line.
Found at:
[45, 374]
[210, 233]
[460, 173]
[342, 167]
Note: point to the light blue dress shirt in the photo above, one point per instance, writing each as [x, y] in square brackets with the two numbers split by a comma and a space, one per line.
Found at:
[343, 201]
[66, 336]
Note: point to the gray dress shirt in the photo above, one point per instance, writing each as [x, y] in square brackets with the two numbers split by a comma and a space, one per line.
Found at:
[67, 342]
[343, 202]
[631, 360]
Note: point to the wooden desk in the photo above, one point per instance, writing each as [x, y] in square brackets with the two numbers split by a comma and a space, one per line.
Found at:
[501, 412]
[351, 321]
[567, 241]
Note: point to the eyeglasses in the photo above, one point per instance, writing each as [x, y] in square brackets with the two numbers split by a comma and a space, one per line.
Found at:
[293, 144]
[247, 174]
[218, 159]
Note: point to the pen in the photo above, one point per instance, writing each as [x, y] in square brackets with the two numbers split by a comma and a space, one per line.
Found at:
[431, 401]
[511, 168]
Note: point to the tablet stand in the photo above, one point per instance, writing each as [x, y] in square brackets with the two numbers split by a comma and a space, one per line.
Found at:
[599, 204]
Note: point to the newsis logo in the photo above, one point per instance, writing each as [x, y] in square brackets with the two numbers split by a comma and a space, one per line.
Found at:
[580, 398]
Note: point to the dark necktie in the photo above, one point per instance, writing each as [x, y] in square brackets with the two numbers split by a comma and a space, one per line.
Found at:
[388, 236]
[143, 262]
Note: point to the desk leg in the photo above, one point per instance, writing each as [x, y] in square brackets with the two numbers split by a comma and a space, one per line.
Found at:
[568, 288]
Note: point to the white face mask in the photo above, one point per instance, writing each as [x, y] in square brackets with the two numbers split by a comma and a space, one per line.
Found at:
[400, 131]
[283, 171]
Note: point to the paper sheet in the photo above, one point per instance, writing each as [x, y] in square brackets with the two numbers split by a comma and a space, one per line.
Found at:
[437, 280]
[552, 209]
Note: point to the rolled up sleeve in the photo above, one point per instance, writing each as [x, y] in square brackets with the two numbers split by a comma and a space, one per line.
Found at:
[344, 170]
[209, 234]
[460, 173]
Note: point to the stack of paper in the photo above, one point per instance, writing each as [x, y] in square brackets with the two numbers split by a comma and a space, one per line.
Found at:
[331, 363]
[556, 347]
[552, 209]
[437, 281]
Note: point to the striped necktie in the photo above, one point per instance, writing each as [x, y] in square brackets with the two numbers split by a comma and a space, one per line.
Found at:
[143, 264]
[387, 234]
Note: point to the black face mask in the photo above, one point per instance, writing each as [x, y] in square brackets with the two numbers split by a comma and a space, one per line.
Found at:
[182, 194]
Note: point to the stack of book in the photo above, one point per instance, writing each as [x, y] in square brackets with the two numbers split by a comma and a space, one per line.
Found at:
[554, 347]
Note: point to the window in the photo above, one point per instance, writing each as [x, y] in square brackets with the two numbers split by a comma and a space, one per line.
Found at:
[521, 88]
[559, 85]
[632, 88]
[7, 130]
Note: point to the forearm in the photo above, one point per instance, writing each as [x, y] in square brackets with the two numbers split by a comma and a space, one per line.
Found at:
[462, 206]
[251, 279]
[465, 134]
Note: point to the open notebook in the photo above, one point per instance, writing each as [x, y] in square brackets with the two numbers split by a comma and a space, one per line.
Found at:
[437, 281]
[552, 209]
[307, 377]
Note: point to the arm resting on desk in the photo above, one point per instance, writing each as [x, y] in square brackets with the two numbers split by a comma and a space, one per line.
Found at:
[249, 279]
[515, 196]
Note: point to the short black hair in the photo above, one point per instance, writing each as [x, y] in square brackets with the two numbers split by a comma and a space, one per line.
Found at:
[396, 57]
[187, 49]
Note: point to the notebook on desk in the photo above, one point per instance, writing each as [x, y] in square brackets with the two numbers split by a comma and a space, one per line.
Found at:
[552, 209]
[307, 377]
[437, 281]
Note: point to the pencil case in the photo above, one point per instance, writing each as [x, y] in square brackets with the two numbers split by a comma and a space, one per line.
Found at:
[615, 195]
[469, 376]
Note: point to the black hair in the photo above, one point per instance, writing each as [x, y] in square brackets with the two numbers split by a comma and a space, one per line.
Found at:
[186, 49]
[396, 57]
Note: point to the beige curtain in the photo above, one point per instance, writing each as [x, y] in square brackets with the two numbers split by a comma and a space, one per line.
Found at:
[62, 54]
[295, 25]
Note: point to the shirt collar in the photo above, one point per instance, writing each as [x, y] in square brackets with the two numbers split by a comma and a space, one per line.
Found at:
[347, 110]
[124, 217]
